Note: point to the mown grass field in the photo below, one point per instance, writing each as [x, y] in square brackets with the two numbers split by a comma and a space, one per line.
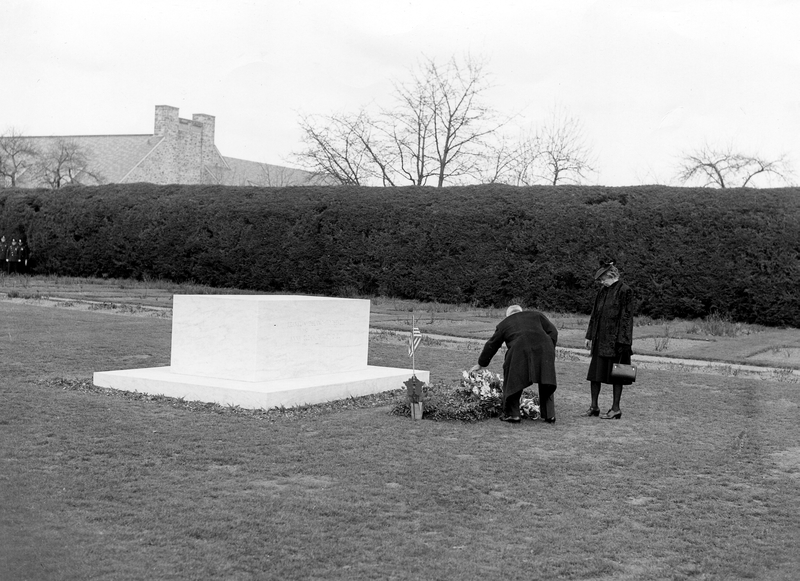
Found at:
[699, 480]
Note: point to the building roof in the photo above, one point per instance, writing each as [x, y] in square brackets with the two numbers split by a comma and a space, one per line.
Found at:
[253, 173]
[110, 157]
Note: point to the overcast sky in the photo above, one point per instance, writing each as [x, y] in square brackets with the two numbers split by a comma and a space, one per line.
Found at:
[648, 80]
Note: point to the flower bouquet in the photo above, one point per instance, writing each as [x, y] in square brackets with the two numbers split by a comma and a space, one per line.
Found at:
[487, 389]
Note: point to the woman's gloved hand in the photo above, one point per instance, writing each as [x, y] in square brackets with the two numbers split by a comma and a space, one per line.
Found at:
[621, 350]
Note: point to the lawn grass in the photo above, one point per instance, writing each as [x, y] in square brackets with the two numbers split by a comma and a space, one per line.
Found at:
[713, 338]
[699, 480]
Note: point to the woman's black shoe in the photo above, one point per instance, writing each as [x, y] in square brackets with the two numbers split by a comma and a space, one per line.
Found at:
[509, 419]
[591, 412]
[611, 415]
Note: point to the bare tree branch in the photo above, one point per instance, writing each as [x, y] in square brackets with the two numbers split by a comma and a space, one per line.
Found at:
[273, 176]
[503, 162]
[332, 149]
[17, 155]
[65, 162]
[435, 129]
[555, 152]
[727, 167]
[459, 121]
[408, 129]
[527, 157]
[563, 153]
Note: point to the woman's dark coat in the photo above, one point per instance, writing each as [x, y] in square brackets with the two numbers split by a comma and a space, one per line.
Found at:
[531, 356]
[611, 322]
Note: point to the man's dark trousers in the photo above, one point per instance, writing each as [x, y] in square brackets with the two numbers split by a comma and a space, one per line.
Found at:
[547, 405]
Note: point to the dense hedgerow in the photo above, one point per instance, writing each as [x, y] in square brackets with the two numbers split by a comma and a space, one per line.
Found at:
[686, 251]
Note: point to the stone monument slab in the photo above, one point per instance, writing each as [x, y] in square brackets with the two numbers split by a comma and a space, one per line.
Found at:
[261, 337]
[263, 351]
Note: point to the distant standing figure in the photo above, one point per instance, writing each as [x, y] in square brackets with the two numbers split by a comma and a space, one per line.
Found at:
[531, 358]
[3, 250]
[609, 337]
[13, 256]
[23, 255]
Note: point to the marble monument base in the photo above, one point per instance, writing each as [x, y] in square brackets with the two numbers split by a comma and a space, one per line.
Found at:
[258, 394]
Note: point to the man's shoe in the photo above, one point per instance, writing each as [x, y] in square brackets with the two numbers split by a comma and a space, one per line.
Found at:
[591, 412]
[509, 419]
[611, 415]
[550, 420]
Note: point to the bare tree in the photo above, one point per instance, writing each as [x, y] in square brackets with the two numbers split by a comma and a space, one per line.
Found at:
[65, 162]
[525, 161]
[561, 151]
[504, 162]
[553, 153]
[441, 121]
[726, 167]
[434, 130]
[335, 147]
[278, 176]
[17, 155]
[275, 176]
[265, 176]
[462, 120]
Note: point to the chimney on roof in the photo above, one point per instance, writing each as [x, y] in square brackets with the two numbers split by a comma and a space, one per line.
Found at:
[209, 152]
[166, 120]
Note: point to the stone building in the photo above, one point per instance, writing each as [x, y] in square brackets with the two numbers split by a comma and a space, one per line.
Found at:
[179, 151]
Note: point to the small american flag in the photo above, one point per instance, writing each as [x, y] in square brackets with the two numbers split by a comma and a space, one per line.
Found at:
[414, 341]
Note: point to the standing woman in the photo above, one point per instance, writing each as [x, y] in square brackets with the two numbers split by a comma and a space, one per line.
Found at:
[609, 337]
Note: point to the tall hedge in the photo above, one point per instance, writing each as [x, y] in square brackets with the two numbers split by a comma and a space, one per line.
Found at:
[687, 252]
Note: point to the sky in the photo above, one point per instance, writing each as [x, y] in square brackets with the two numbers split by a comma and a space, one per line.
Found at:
[648, 80]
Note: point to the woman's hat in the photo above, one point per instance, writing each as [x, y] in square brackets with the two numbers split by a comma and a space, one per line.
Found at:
[603, 269]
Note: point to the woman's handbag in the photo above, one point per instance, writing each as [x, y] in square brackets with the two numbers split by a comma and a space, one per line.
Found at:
[622, 372]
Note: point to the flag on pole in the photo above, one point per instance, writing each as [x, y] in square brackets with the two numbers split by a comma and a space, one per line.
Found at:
[414, 341]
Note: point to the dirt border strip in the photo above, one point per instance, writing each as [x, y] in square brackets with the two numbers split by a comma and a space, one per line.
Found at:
[106, 307]
[648, 361]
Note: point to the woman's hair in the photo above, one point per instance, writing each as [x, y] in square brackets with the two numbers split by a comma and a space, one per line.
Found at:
[513, 309]
[613, 270]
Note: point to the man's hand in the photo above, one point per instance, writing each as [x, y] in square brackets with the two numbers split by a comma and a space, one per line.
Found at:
[475, 368]
[588, 344]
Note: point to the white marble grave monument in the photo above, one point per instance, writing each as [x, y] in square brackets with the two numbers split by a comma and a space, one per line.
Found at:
[264, 351]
